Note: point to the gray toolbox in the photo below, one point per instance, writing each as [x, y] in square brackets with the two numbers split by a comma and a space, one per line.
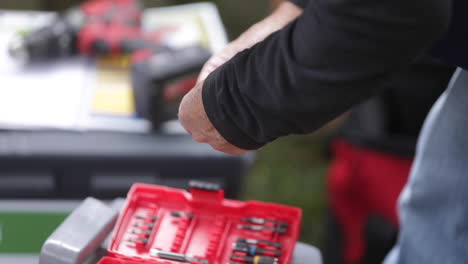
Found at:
[81, 237]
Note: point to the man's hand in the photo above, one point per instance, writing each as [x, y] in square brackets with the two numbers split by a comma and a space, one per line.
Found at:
[192, 113]
[193, 117]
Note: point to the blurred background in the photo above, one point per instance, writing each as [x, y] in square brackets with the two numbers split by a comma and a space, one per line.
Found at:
[290, 171]
[346, 177]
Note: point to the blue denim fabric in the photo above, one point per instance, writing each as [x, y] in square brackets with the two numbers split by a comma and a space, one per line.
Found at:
[434, 204]
[306, 254]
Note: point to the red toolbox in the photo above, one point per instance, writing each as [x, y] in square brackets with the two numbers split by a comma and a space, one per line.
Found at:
[163, 225]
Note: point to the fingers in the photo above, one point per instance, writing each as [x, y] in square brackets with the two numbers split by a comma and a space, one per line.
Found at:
[193, 118]
[217, 142]
[222, 146]
[230, 150]
[188, 111]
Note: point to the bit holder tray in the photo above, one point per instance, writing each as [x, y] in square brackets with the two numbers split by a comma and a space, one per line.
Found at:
[163, 225]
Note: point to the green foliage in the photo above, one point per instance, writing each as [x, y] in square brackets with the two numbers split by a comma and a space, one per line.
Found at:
[292, 171]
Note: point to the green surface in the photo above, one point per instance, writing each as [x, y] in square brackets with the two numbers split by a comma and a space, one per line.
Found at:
[22, 233]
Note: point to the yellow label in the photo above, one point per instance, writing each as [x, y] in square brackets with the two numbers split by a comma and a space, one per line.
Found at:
[113, 92]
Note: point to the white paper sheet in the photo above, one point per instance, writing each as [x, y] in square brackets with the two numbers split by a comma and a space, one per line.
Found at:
[58, 95]
[38, 96]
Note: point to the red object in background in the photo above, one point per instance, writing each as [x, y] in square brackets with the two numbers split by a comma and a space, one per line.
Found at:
[205, 227]
[110, 23]
[363, 182]
[176, 90]
[114, 27]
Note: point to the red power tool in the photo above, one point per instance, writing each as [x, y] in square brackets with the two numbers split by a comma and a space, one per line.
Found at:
[109, 27]
[94, 27]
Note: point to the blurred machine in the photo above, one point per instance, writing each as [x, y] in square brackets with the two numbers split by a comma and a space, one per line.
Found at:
[152, 75]
[96, 27]
[72, 165]
[69, 165]
[372, 156]
[114, 27]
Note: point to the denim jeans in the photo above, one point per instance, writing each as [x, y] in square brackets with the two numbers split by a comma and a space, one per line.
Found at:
[306, 254]
[433, 206]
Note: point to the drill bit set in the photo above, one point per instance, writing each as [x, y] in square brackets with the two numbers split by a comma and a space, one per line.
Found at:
[249, 250]
[142, 230]
[161, 225]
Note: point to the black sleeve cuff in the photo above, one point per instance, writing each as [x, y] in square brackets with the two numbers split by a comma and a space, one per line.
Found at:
[300, 3]
[212, 88]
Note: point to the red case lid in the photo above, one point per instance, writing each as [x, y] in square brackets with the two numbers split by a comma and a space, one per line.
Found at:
[199, 223]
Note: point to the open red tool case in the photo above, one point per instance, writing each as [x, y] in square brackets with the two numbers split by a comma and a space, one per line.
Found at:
[163, 225]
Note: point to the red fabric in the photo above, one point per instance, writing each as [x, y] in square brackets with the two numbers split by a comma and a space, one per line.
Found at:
[363, 182]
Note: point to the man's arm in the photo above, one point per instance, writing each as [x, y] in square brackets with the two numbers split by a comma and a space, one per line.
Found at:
[283, 15]
[338, 53]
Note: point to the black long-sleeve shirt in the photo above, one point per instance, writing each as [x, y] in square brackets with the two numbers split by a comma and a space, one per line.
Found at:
[338, 53]
[301, 3]
[453, 46]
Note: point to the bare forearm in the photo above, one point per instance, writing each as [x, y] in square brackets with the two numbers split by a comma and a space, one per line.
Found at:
[283, 15]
